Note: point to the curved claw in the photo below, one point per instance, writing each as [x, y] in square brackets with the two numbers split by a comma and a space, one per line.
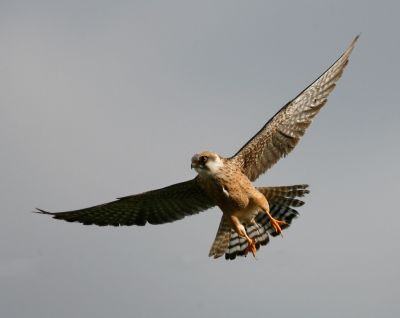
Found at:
[276, 224]
[252, 247]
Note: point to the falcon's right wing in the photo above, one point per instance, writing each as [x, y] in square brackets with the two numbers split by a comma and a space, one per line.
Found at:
[155, 207]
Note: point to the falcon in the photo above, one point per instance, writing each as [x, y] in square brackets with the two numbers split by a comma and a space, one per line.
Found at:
[250, 214]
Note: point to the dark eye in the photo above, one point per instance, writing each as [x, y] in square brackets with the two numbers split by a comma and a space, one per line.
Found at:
[203, 159]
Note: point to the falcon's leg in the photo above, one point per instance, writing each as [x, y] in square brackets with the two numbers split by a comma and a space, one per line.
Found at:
[262, 202]
[241, 231]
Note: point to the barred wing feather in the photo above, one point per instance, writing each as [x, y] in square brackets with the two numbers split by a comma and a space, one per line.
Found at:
[284, 130]
[155, 207]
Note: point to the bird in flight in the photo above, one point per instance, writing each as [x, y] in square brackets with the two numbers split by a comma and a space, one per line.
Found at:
[249, 213]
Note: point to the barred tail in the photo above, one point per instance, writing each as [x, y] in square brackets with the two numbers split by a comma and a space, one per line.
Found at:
[281, 200]
[221, 241]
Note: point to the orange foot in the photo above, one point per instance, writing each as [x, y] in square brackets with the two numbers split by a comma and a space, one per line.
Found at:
[276, 224]
[251, 247]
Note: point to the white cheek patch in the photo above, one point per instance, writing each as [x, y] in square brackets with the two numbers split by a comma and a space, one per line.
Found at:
[215, 165]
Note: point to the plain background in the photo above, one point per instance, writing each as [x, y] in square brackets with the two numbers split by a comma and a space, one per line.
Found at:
[101, 99]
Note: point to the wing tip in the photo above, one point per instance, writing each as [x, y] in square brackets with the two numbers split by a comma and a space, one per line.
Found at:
[40, 211]
[353, 44]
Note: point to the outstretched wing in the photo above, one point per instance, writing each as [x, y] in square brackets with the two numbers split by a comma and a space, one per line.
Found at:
[283, 131]
[156, 207]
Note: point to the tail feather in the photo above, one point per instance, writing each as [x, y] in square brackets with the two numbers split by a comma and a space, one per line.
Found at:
[281, 200]
[238, 245]
[287, 191]
[222, 239]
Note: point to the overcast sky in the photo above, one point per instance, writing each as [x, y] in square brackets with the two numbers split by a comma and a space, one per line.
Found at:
[101, 99]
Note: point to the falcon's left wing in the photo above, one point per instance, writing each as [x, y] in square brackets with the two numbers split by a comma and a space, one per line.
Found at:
[283, 131]
[156, 207]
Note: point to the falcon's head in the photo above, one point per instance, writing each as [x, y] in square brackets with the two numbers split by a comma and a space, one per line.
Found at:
[207, 163]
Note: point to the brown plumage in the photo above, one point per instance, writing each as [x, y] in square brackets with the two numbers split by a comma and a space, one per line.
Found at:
[159, 206]
[250, 213]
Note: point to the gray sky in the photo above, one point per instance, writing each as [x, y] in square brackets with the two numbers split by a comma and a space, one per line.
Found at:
[102, 99]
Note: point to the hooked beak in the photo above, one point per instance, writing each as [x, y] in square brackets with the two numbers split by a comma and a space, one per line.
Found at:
[195, 162]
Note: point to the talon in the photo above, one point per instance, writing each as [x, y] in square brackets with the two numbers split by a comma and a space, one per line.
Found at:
[276, 224]
[252, 247]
